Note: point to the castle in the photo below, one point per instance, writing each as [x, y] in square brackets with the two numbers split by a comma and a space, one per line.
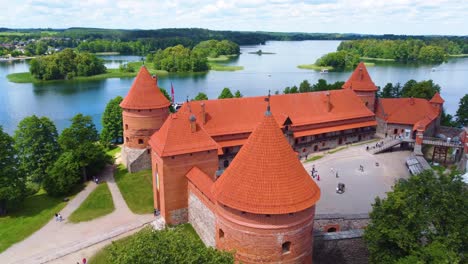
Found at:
[230, 167]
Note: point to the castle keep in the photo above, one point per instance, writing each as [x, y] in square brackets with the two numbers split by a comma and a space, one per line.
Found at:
[231, 169]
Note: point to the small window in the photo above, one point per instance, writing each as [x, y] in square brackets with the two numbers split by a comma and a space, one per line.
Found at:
[140, 141]
[367, 103]
[221, 234]
[226, 163]
[126, 126]
[268, 215]
[331, 230]
[286, 247]
[148, 151]
[127, 139]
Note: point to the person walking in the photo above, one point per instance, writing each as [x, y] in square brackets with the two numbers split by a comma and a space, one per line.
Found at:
[56, 217]
[337, 174]
[60, 217]
[318, 177]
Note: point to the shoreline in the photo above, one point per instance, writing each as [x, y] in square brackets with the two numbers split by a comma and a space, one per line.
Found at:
[16, 59]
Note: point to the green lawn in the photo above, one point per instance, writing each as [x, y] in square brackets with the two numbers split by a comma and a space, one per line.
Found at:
[222, 58]
[221, 67]
[113, 151]
[101, 256]
[314, 67]
[21, 77]
[336, 150]
[97, 204]
[33, 213]
[314, 158]
[136, 189]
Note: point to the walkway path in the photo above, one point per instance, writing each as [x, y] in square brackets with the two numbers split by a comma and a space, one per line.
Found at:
[58, 239]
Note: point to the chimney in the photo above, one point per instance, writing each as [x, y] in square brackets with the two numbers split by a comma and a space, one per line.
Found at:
[328, 102]
[203, 113]
[193, 123]
[411, 100]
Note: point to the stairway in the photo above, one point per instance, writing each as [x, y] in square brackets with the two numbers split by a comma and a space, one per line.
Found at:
[386, 145]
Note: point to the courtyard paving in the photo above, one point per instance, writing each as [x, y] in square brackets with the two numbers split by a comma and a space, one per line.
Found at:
[361, 186]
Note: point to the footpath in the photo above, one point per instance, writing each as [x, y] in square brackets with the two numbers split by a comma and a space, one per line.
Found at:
[57, 240]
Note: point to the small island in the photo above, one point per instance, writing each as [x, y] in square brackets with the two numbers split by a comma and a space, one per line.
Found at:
[260, 52]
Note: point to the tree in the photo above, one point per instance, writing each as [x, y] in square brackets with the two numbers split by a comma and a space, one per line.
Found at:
[225, 93]
[423, 89]
[462, 112]
[447, 119]
[112, 131]
[37, 147]
[63, 175]
[12, 183]
[238, 94]
[169, 246]
[81, 140]
[166, 94]
[387, 91]
[305, 87]
[422, 217]
[201, 96]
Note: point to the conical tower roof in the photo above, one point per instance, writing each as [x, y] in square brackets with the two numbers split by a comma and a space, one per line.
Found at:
[144, 93]
[266, 176]
[437, 99]
[360, 80]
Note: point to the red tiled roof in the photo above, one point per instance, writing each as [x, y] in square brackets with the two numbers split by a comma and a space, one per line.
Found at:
[144, 93]
[406, 110]
[360, 80]
[232, 142]
[202, 181]
[322, 130]
[437, 99]
[242, 115]
[176, 137]
[266, 176]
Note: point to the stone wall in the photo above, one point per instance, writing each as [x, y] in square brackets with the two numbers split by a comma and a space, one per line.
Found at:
[347, 247]
[201, 217]
[136, 159]
[323, 222]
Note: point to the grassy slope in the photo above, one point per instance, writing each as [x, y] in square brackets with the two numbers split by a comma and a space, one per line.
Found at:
[101, 256]
[33, 213]
[112, 152]
[97, 204]
[136, 188]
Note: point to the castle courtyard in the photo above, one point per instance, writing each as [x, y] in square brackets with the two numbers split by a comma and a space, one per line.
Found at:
[361, 187]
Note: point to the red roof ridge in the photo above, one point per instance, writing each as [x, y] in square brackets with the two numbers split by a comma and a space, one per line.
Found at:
[360, 80]
[437, 99]
[144, 93]
[202, 181]
[176, 137]
[266, 176]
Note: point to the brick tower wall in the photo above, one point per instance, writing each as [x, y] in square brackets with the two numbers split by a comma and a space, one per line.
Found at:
[264, 238]
[368, 98]
[171, 198]
[139, 125]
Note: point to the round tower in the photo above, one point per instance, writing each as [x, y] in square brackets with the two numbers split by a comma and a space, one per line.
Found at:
[144, 110]
[361, 83]
[265, 201]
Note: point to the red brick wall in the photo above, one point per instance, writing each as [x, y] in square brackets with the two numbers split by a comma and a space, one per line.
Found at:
[259, 238]
[367, 98]
[141, 124]
[173, 192]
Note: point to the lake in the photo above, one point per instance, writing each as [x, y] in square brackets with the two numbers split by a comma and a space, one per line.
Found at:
[60, 101]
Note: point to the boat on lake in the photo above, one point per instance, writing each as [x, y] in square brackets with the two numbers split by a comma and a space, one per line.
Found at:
[324, 71]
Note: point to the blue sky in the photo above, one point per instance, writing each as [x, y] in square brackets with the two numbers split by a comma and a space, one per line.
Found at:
[344, 16]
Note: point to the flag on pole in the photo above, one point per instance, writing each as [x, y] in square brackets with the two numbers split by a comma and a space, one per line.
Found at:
[172, 92]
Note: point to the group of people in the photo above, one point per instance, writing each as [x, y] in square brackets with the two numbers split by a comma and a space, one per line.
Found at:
[314, 173]
[58, 217]
[361, 168]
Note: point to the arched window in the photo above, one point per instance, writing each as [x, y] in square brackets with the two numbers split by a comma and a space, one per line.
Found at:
[221, 233]
[286, 247]
[140, 141]
[126, 126]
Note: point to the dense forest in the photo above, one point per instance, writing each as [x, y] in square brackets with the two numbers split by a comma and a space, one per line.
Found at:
[66, 64]
[409, 50]
[214, 48]
[339, 60]
[143, 41]
[178, 59]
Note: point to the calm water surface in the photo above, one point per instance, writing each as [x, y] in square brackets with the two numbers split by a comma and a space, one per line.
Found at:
[62, 100]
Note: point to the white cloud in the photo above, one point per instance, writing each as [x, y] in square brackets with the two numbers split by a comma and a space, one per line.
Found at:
[364, 16]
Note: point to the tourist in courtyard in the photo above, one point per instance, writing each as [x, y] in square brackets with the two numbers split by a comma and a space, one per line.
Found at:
[337, 174]
[318, 177]
[56, 217]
